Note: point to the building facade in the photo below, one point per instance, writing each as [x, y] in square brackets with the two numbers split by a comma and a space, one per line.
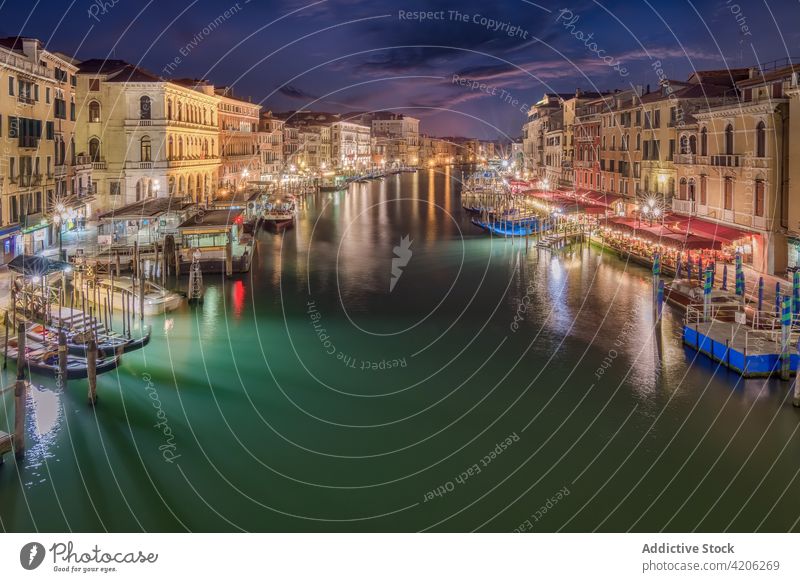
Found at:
[146, 136]
[41, 173]
[239, 140]
[270, 140]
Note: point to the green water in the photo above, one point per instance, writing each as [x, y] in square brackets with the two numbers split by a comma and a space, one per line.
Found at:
[305, 396]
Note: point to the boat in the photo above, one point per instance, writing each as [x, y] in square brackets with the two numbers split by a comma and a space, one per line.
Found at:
[42, 359]
[279, 213]
[684, 292]
[108, 343]
[157, 299]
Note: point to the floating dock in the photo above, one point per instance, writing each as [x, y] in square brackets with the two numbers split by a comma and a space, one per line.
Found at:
[751, 353]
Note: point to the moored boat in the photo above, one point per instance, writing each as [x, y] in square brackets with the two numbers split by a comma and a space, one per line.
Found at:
[42, 359]
[157, 299]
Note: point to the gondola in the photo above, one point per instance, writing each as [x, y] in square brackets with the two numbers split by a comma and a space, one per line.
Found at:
[107, 344]
[42, 359]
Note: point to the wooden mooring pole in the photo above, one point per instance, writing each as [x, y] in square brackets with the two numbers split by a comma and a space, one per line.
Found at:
[91, 363]
[786, 327]
[62, 360]
[20, 395]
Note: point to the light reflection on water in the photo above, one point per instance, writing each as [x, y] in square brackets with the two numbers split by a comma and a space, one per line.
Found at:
[291, 443]
[46, 415]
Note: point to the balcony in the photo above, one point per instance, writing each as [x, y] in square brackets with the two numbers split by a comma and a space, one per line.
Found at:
[25, 100]
[683, 207]
[60, 171]
[757, 162]
[99, 165]
[684, 159]
[728, 216]
[726, 161]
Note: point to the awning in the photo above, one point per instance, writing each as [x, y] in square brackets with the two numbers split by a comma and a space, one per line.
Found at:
[707, 229]
[665, 233]
[595, 197]
[34, 265]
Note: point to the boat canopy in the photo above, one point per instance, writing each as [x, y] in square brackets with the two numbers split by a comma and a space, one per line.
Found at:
[36, 266]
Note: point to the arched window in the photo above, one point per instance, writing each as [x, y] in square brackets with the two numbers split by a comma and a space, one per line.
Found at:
[170, 148]
[729, 140]
[145, 149]
[144, 107]
[138, 190]
[94, 149]
[691, 189]
[682, 191]
[613, 142]
[180, 111]
[169, 108]
[94, 112]
[180, 148]
[638, 141]
[704, 142]
[761, 140]
[758, 202]
[72, 150]
[692, 144]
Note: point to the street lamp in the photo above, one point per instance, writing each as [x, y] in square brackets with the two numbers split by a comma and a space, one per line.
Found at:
[60, 215]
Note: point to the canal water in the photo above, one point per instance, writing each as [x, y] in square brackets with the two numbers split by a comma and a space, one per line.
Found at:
[477, 385]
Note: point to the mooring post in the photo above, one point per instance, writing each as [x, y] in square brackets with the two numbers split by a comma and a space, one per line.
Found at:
[725, 277]
[229, 257]
[660, 302]
[91, 364]
[706, 294]
[760, 293]
[141, 292]
[20, 395]
[62, 359]
[786, 327]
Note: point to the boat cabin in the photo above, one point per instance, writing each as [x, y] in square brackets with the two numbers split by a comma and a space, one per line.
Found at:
[217, 240]
[145, 222]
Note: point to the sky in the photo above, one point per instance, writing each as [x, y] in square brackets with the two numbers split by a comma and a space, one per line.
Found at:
[464, 68]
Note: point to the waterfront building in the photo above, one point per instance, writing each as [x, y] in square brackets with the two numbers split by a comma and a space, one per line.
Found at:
[270, 142]
[535, 128]
[146, 136]
[314, 151]
[291, 144]
[397, 137]
[427, 151]
[621, 145]
[43, 177]
[733, 166]
[239, 140]
[350, 146]
[586, 132]
[793, 207]
[554, 150]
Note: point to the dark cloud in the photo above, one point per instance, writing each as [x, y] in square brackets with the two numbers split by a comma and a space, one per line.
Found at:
[296, 93]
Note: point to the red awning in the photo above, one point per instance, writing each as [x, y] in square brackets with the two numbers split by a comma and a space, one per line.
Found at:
[666, 233]
[595, 197]
[707, 229]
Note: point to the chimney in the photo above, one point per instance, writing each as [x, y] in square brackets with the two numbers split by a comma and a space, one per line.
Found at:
[30, 46]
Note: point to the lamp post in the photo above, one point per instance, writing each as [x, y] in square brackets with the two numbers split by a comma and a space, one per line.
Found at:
[60, 215]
